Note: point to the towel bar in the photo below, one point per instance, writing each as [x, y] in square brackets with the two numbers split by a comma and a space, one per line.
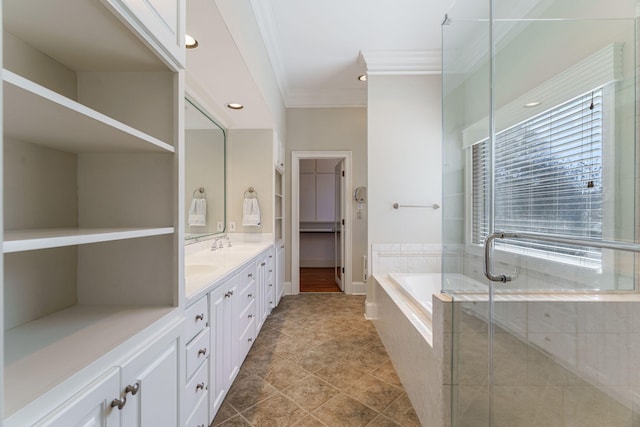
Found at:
[398, 206]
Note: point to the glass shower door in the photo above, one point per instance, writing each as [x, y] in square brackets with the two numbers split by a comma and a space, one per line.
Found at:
[552, 153]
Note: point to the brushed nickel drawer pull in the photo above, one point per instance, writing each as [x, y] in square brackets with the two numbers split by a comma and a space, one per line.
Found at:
[202, 352]
[133, 389]
[199, 387]
[199, 317]
[119, 403]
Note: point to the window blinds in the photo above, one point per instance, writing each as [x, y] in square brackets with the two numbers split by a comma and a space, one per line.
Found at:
[548, 179]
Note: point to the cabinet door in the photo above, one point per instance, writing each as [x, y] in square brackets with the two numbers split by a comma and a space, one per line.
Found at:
[223, 367]
[279, 279]
[163, 20]
[91, 407]
[150, 383]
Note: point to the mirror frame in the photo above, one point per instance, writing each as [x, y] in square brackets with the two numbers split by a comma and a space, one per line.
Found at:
[193, 238]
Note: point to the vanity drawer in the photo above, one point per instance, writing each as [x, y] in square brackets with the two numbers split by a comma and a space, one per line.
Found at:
[195, 394]
[247, 278]
[247, 315]
[196, 318]
[199, 416]
[246, 339]
[247, 294]
[197, 352]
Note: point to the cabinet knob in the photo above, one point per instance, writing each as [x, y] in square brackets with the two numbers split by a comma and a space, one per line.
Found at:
[200, 387]
[270, 284]
[119, 403]
[250, 316]
[270, 271]
[199, 317]
[227, 294]
[270, 256]
[231, 292]
[250, 296]
[250, 274]
[133, 389]
[202, 352]
[263, 264]
[250, 339]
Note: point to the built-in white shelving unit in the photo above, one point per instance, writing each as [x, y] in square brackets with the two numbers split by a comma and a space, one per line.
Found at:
[90, 134]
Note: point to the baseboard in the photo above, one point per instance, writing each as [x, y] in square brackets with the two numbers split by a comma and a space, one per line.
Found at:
[317, 263]
[358, 288]
[370, 310]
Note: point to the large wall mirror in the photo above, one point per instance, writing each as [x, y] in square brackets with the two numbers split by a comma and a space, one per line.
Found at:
[205, 170]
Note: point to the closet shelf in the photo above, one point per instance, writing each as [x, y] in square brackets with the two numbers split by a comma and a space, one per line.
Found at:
[29, 240]
[42, 116]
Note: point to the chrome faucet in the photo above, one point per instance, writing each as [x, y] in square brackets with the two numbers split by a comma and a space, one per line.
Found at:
[228, 239]
[215, 246]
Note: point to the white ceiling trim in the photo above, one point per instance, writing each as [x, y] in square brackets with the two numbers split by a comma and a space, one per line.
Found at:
[263, 13]
[402, 62]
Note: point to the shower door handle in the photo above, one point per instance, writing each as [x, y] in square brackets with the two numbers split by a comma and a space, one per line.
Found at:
[487, 258]
[575, 241]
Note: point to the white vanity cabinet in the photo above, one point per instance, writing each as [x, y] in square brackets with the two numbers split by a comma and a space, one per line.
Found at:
[279, 272]
[265, 288]
[142, 391]
[195, 400]
[91, 133]
[91, 407]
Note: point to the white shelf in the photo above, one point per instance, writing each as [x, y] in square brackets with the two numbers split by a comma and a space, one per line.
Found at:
[41, 354]
[29, 240]
[44, 117]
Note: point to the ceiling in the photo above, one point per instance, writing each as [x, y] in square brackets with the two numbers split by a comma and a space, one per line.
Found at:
[314, 46]
[313, 49]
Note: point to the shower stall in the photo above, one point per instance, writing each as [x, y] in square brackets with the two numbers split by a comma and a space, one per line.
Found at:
[540, 212]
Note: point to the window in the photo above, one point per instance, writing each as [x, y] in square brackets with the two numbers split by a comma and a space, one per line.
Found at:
[548, 179]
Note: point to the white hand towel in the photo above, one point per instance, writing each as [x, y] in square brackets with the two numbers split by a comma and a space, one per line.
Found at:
[198, 212]
[251, 213]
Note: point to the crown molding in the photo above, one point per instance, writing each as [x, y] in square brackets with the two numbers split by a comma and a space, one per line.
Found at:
[401, 62]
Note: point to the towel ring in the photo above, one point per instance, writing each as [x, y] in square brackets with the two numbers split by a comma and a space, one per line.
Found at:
[250, 193]
[199, 193]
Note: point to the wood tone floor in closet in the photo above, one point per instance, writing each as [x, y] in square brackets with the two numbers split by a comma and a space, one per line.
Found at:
[318, 280]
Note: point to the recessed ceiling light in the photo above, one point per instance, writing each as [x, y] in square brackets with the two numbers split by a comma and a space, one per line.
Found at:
[531, 104]
[235, 106]
[362, 77]
[190, 42]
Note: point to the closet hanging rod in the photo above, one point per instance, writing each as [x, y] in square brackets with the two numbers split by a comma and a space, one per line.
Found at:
[433, 206]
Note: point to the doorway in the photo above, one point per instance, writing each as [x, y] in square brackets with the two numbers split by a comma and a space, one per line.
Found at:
[320, 237]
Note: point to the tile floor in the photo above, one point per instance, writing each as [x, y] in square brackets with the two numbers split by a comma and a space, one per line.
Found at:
[317, 362]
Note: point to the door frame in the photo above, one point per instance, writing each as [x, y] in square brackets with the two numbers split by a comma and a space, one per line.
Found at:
[296, 156]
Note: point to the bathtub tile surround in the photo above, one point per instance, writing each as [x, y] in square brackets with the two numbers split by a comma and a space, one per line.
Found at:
[406, 258]
[307, 368]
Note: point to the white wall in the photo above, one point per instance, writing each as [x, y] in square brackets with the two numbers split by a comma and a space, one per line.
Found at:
[404, 158]
[250, 164]
[330, 129]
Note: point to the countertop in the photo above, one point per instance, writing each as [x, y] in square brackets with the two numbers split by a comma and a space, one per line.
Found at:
[205, 269]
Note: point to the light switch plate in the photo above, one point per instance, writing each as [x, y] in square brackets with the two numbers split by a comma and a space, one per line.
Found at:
[232, 226]
[220, 226]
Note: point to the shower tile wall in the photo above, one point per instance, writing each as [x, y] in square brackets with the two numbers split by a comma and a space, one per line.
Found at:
[566, 363]
[406, 258]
